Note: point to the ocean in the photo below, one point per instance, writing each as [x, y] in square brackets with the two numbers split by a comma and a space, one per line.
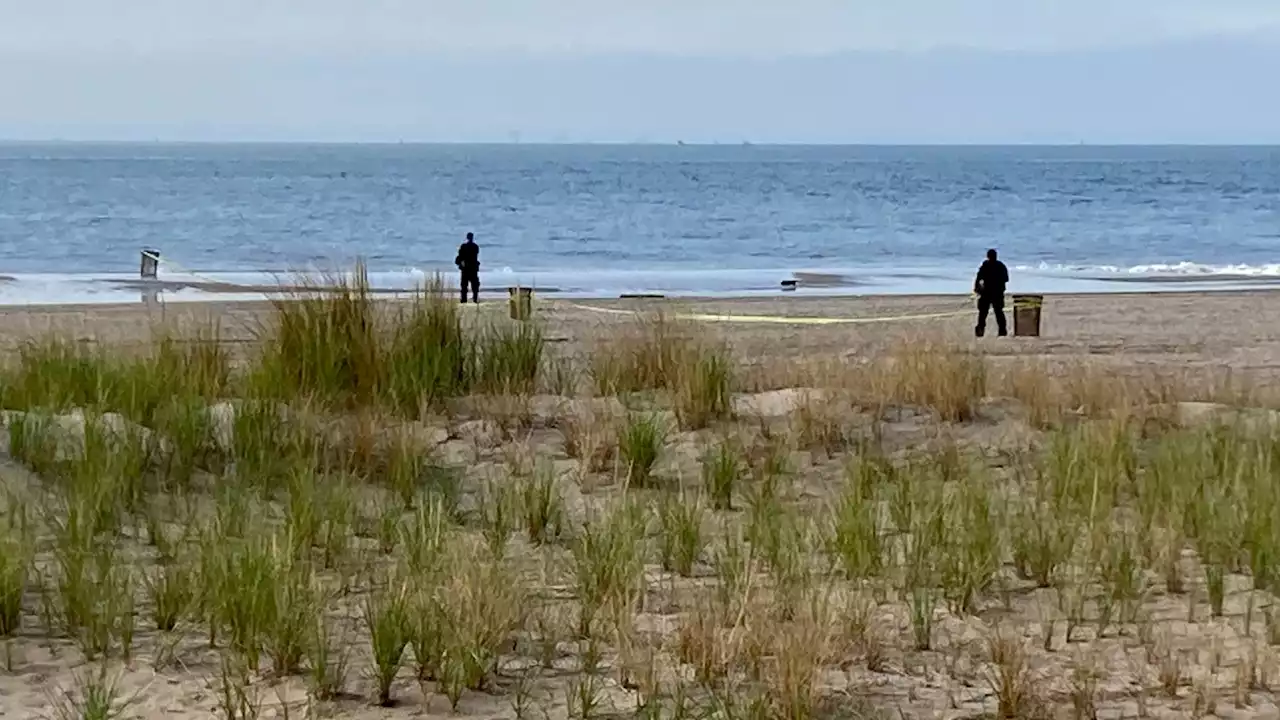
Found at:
[598, 221]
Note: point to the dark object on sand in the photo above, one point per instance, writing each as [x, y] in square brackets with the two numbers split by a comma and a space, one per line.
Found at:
[989, 285]
[1026, 315]
[789, 285]
[520, 303]
[468, 262]
[150, 264]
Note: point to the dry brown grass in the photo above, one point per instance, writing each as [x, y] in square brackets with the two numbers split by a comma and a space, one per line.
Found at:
[674, 357]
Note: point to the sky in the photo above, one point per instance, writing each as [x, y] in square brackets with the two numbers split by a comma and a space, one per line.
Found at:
[900, 71]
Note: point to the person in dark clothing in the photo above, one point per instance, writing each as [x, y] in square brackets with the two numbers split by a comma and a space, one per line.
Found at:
[468, 262]
[989, 286]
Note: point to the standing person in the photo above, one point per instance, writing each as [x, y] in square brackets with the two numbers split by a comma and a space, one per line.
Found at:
[989, 286]
[468, 262]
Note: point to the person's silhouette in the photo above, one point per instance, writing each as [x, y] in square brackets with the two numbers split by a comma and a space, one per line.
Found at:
[468, 262]
[989, 286]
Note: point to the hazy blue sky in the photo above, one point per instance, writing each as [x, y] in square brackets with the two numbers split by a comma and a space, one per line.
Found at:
[621, 70]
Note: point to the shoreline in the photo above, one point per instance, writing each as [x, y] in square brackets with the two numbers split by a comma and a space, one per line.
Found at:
[189, 288]
[551, 298]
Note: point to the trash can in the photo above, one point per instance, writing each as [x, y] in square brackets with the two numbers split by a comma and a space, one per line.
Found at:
[150, 264]
[520, 303]
[1026, 315]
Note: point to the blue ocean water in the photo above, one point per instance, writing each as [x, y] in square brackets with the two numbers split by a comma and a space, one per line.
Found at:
[601, 220]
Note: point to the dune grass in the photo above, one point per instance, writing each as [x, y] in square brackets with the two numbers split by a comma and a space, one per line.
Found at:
[345, 349]
[672, 357]
[313, 513]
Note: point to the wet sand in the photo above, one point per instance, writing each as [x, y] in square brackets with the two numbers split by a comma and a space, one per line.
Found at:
[226, 288]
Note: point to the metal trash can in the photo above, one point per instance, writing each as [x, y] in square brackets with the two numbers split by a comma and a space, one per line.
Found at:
[520, 303]
[1026, 315]
[150, 264]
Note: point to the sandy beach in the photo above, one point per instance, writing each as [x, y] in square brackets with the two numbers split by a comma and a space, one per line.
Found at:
[1056, 585]
[1239, 330]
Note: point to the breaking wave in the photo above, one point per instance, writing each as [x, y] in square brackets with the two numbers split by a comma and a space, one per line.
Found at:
[1184, 269]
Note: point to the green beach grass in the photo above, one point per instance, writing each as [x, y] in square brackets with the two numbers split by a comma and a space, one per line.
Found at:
[322, 517]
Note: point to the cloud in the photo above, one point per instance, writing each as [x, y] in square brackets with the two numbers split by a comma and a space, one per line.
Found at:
[714, 27]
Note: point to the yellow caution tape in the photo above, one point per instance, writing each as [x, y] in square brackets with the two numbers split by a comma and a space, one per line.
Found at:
[165, 262]
[785, 320]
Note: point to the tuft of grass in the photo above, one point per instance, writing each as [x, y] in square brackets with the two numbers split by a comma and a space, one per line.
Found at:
[1032, 384]
[95, 696]
[640, 444]
[93, 594]
[1084, 690]
[1010, 677]
[508, 358]
[1122, 577]
[681, 538]
[16, 556]
[735, 563]
[172, 591]
[430, 351]
[237, 699]
[241, 588]
[1042, 541]
[608, 563]
[822, 422]
[497, 511]
[33, 442]
[855, 536]
[187, 425]
[644, 356]
[787, 544]
[324, 342]
[480, 605]
[972, 550]
[266, 445]
[291, 609]
[542, 505]
[386, 615]
[427, 631]
[701, 641]
[585, 694]
[410, 470]
[722, 469]
[424, 536]
[561, 376]
[657, 353]
[590, 436]
[332, 341]
[330, 660]
[703, 385]
[802, 648]
[57, 374]
[928, 374]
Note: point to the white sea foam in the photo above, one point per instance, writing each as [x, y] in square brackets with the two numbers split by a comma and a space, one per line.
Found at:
[1184, 268]
[189, 285]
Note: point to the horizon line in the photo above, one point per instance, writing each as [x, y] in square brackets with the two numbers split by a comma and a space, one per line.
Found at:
[633, 143]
